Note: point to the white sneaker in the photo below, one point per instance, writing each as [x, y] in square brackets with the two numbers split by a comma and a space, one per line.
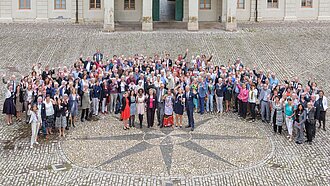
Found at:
[37, 143]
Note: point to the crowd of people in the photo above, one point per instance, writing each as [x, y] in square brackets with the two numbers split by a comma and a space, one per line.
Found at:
[50, 98]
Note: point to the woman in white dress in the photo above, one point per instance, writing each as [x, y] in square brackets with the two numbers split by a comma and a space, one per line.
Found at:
[140, 105]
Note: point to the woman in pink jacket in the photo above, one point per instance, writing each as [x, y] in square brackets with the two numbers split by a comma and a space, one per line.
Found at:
[243, 99]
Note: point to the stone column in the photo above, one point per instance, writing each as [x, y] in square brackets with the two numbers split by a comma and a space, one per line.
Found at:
[193, 15]
[109, 15]
[324, 10]
[231, 22]
[290, 10]
[147, 15]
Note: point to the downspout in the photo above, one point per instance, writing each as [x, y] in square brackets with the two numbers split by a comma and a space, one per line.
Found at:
[77, 12]
[256, 18]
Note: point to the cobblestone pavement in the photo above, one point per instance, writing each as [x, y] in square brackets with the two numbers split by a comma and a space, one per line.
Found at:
[222, 150]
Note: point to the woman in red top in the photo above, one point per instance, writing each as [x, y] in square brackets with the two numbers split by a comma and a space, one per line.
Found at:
[125, 111]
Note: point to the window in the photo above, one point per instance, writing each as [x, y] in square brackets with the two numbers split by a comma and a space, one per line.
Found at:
[24, 4]
[205, 4]
[95, 4]
[60, 4]
[129, 4]
[306, 3]
[240, 4]
[272, 3]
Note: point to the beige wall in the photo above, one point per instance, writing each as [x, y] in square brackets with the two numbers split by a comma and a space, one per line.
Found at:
[44, 10]
[93, 15]
[274, 13]
[209, 14]
[128, 15]
[65, 13]
[244, 14]
[308, 13]
[24, 15]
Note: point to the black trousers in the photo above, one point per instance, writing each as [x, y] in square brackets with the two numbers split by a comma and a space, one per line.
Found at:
[277, 128]
[243, 109]
[322, 118]
[84, 113]
[141, 119]
[150, 117]
[236, 101]
[252, 107]
[240, 108]
[310, 130]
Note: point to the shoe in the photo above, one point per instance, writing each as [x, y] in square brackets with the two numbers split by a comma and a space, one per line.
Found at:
[310, 143]
[298, 142]
[31, 147]
[192, 129]
[287, 136]
[290, 139]
[82, 120]
[324, 129]
[37, 143]
[188, 126]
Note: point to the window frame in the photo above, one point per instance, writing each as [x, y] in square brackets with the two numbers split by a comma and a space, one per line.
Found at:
[129, 5]
[24, 5]
[204, 8]
[302, 6]
[238, 3]
[95, 5]
[272, 4]
[61, 5]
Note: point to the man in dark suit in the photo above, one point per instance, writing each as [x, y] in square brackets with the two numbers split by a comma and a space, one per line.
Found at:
[98, 56]
[188, 97]
[161, 104]
[88, 64]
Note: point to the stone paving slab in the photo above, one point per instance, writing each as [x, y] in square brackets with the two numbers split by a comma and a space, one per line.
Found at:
[101, 156]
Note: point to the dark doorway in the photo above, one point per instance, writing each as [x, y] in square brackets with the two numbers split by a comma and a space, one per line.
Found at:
[167, 10]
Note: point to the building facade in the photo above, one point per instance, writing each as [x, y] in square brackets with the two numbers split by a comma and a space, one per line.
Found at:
[149, 11]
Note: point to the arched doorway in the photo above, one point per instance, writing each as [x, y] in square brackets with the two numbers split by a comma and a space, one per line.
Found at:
[167, 10]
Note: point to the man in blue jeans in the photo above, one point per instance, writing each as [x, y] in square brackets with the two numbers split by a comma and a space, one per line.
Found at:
[202, 89]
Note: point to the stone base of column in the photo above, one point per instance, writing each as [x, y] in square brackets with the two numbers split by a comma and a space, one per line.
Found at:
[147, 27]
[231, 26]
[6, 20]
[290, 18]
[42, 20]
[323, 18]
[192, 26]
[109, 27]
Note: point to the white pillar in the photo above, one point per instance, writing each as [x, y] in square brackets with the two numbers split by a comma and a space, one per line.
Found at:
[193, 15]
[147, 15]
[109, 15]
[324, 10]
[231, 22]
[290, 12]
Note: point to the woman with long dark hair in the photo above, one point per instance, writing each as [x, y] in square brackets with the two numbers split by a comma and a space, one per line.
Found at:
[299, 123]
[125, 110]
[140, 99]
